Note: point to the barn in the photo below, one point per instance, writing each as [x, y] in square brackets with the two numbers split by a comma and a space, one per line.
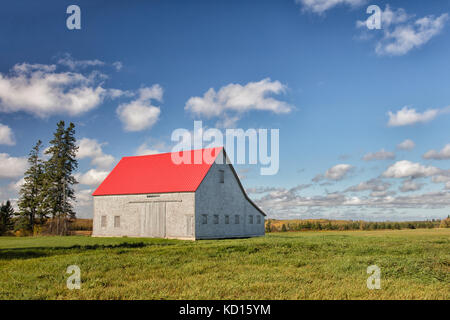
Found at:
[152, 196]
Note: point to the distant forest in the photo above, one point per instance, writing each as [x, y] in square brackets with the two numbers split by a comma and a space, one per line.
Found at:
[273, 225]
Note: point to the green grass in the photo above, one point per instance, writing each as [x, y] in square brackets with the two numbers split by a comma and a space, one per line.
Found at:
[415, 264]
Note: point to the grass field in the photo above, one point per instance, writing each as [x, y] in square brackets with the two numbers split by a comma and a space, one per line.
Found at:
[415, 264]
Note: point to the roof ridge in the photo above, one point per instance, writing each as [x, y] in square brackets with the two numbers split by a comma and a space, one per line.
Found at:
[164, 153]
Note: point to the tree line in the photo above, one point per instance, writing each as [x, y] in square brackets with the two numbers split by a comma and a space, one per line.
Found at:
[47, 195]
[272, 226]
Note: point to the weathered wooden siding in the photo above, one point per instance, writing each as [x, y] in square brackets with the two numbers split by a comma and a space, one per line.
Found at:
[138, 213]
[222, 199]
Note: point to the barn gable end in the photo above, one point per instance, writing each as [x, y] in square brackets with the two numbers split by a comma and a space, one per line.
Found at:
[223, 209]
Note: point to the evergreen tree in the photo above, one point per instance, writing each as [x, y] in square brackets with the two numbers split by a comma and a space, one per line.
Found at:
[6, 217]
[59, 180]
[31, 192]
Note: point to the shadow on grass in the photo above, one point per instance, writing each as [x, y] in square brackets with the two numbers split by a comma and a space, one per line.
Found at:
[30, 253]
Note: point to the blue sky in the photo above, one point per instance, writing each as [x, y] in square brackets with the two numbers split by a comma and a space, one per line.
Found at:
[339, 146]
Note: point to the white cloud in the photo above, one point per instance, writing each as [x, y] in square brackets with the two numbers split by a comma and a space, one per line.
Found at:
[84, 197]
[338, 172]
[12, 167]
[88, 148]
[406, 145]
[381, 194]
[117, 65]
[442, 177]
[261, 190]
[140, 114]
[15, 186]
[408, 169]
[73, 64]
[144, 150]
[289, 204]
[379, 155]
[374, 185]
[103, 161]
[40, 90]
[444, 154]
[92, 177]
[6, 135]
[320, 6]
[352, 201]
[388, 17]
[91, 148]
[116, 93]
[283, 203]
[403, 38]
[273, 191]
[410, 185]
[152, 146]
[409, 116]
[232, 100]
[83, 205]
[402, 32]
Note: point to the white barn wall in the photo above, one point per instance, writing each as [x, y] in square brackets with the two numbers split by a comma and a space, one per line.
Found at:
[131, 209]
[215, 198]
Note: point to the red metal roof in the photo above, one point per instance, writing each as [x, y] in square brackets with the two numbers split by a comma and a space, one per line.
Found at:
[156, 174]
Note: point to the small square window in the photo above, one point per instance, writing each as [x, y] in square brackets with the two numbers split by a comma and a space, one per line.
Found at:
[221, 176]
[250, 219]
[117, 222]
[216, 219]
[204, 219]
[103, 221]
[236, 219]
[227, 219]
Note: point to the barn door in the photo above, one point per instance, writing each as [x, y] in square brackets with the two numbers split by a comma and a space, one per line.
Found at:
[155, 220]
